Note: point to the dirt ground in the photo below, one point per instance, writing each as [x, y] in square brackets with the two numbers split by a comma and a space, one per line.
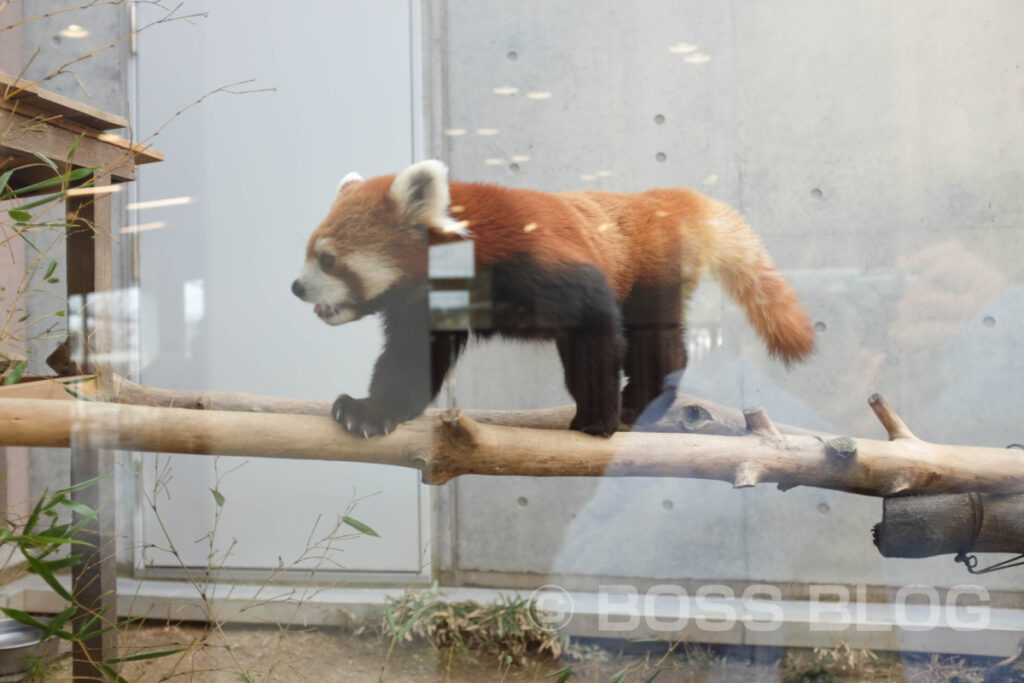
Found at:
[328, 655]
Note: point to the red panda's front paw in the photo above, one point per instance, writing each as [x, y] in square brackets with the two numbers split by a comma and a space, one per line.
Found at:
[359, 417]
[595, 426]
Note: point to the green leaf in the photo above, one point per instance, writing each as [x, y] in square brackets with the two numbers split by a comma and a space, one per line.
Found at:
[619, 675]
[148, 655]
[60, 314]
[59, 620]
[17, 372]
[79, 380]
[23, 618]
[71, 152]
[4, 178]
[23, 318]
[82, 484]
[359, 526]
[114, 676]
[77, 394]
[19, 215]
[657, 672]
[46, 160]
[50, 269]
[48, 199]
[218, 497]
[59, 181]
[563, 674]
[39, 568]
[53, 280]
[21, 234]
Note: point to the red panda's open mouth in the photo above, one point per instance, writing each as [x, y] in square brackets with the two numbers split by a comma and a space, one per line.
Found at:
[329, 311]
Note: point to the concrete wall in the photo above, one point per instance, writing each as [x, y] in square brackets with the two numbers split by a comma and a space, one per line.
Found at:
[877, 149]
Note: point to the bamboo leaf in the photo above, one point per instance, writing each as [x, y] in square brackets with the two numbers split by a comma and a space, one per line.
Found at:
[71, 152]
[79, 380]
[19, 215]
[359, 526]
[218, 497]
[58, 181]
[49, 271]
[46, 160]
[82, 484]
[77, 394]
[114, 676]
[4, 178]
[148, 655]
[23, 618]
[17, 372]
[563, 674]
[59, 620]
[48, 199]
[39, 568]
[21, 234]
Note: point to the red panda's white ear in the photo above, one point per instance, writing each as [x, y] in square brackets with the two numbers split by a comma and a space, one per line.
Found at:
[349, 181]
[422, 192]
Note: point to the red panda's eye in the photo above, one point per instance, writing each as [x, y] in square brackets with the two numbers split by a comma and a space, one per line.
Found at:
[326, 261]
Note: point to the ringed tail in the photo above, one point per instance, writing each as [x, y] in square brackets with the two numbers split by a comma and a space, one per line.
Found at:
[749, 276]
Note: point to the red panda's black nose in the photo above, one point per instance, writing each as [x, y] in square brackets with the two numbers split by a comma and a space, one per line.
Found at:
[297, 289]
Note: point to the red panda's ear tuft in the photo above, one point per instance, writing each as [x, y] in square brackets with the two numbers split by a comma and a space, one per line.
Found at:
[421, 191]
[349, 181]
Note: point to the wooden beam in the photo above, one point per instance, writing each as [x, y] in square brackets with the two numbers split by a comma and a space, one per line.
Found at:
[14, 89]
[453, 445]
[94, 579]
[23, 132]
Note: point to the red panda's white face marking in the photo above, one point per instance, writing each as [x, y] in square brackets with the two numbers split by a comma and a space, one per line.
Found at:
[373, 238]
[333, 297]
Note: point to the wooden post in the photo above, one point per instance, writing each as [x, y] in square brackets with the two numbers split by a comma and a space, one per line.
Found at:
[94, 580]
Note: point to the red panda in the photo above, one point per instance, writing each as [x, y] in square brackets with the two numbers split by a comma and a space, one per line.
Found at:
[605, 275]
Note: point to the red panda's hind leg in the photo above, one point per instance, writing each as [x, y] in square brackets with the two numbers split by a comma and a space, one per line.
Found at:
[654, 330]
[591, 358]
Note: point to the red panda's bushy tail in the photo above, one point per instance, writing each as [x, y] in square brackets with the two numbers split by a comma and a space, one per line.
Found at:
[749, 276]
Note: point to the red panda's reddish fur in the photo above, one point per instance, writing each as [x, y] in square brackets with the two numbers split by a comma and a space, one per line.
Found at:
[647, 238]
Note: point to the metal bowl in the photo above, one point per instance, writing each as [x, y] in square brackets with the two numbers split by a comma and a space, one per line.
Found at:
[19, 643]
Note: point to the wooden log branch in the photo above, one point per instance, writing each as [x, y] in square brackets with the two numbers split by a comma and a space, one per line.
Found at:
[685, 414]
[922, 526]
[457, 444]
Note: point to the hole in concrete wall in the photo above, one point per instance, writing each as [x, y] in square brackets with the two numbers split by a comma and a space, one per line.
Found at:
[659, 119]
[824, 509]
[820, 326]
[666, 505]
[661, 157]
[988, 321]
[521, 501]
[513, 168]
[513, 56]
[817, 194]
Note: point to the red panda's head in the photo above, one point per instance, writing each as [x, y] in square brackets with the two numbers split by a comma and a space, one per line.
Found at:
[374, 238]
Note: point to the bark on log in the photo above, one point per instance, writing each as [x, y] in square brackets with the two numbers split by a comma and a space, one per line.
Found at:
[456, 444]
[923, 526]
